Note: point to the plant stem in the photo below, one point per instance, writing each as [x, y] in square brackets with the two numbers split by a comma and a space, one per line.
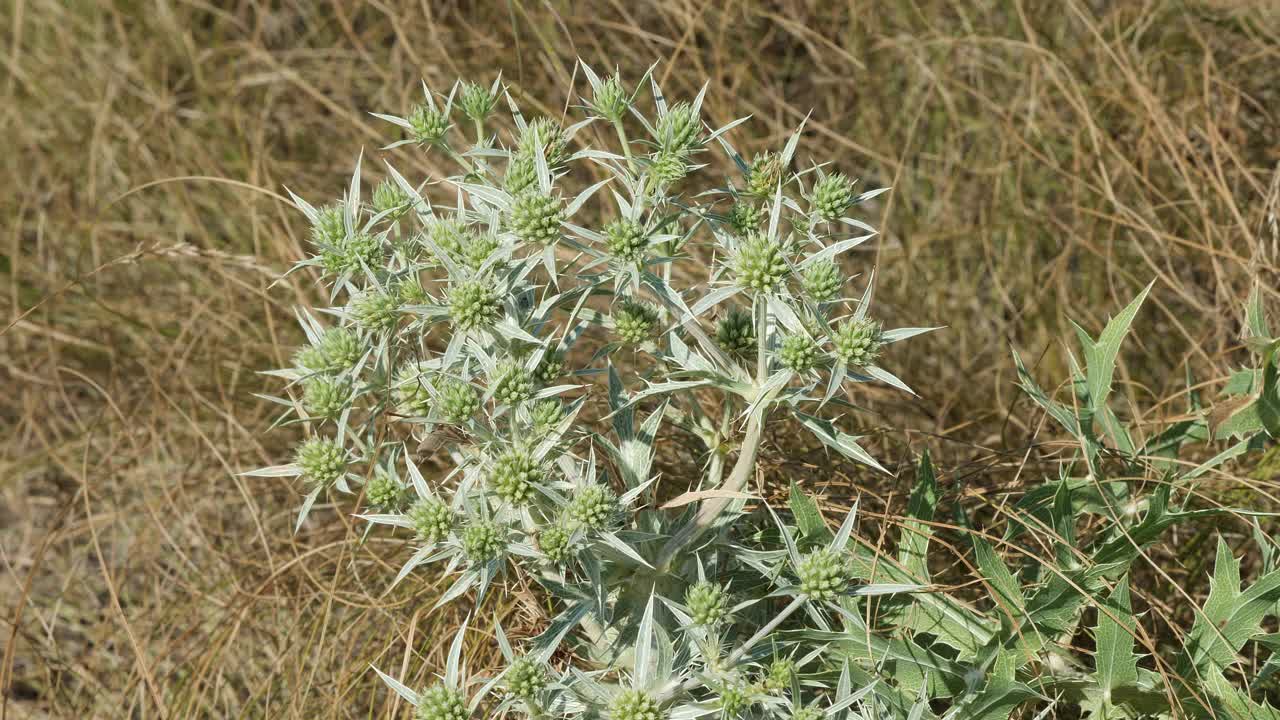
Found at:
[626, 144]
[763, 632]
[712, 507]
[750, 447]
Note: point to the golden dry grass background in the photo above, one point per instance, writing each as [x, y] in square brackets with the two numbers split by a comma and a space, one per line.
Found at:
[1048, 159]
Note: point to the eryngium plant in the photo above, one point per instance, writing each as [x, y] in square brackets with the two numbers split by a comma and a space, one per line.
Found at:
[471, 315]
[474, 316]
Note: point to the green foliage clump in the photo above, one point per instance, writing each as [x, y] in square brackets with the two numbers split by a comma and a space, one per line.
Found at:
[730, 295]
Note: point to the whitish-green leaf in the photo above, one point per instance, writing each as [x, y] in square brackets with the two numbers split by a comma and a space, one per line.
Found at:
[644, 652]
[1115, 663]
[1229, 617]
[410, 696]
[841, 442]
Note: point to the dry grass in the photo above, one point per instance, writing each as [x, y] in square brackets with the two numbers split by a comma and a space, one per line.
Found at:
[1048, 159]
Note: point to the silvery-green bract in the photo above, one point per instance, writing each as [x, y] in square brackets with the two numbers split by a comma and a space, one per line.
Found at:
[552, 245]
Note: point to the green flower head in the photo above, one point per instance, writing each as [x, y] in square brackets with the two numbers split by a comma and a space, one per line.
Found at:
[594, 508]
[341, 349]
[441, 703]
[428, 126]
[626, 240]
[556, 543]
[545, 135]
[798, 353]
[746, 218]
[390, 198]
[550, 367]
[765, 174]
[512, 384]
[448, 234]
[483, 541]
[410, 291]
[310, 358]
[708, 603]
[636, 705]
[777, 677]
[760, 264]
[736, 332]
[515, 471]
[807, 712]
[734, 697]
[330, 228]
[385, 493]
[478, 249]
[522, 175]
[822, 281]
[324, 397]
[679, 129]
[824, 574]
[432, 520]
[857, 342]
[526, 677]
[352, 254]
[458, 402]
[634, 321]
[323, 462]
[536, 218]
[831, 197]
[545, 415]
[610, 100]
[476, 101]
[474, 304]
[666, 169]
[376, 312]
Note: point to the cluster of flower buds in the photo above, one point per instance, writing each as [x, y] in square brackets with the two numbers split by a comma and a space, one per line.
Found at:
[457, 327]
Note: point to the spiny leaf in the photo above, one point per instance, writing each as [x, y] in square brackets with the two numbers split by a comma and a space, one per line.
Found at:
[914, 545]
[1101, 355]
[808, 518]
[1229, 617]
[1115, 663]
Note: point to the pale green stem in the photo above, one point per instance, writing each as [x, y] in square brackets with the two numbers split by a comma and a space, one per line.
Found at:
[712, 507]
[626, 144]
[764, 632]
[741, 473]
[457, 158]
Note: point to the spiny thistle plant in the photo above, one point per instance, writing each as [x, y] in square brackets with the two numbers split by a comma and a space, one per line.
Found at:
[474, 316]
